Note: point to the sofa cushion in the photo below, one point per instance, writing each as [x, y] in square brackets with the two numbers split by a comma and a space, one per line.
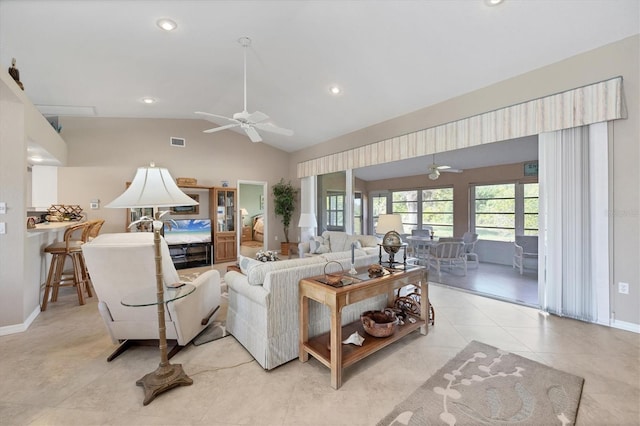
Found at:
[343, 255]
[317, 245]
[368, 240]
[258, 273]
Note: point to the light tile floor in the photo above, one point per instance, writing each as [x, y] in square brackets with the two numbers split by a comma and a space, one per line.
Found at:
[56, 372]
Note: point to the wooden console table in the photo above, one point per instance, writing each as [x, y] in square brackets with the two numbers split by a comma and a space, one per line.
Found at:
[337, 298]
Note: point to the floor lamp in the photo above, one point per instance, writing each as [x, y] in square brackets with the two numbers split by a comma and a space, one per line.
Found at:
[154, 187]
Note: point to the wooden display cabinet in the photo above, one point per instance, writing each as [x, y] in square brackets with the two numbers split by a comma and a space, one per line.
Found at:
[223, 224]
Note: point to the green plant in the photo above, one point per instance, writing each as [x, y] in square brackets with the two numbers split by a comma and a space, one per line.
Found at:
[284, 199]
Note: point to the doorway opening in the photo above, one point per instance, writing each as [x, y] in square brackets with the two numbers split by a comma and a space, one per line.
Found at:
[252, 209]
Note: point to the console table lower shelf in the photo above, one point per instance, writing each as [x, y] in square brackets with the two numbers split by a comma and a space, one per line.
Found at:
[320, 347]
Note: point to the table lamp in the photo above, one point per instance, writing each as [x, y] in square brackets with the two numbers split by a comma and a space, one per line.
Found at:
[307, 221]
[154, 187]
[243, 213]
[390, 225]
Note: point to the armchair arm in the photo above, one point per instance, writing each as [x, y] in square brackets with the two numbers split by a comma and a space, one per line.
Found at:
[187, 313]
[303, 248]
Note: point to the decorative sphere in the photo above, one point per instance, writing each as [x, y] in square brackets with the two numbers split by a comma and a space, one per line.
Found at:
[391, 242]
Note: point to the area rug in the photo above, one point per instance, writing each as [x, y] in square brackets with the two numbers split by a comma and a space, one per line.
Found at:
[214, 331]
[486, 385]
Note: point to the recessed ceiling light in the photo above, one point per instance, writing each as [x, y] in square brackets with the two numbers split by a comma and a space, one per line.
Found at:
[167, 24]
[148, 100]
[335, 90]
[493, 2]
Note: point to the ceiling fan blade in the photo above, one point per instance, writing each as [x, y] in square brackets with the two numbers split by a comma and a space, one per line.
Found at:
[208, 114]
[451, 170]
[217, 129]
[270, 127]
[252, 133]
[257, 117]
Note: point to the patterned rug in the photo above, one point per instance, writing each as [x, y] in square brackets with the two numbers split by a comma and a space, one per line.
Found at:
[486, 385]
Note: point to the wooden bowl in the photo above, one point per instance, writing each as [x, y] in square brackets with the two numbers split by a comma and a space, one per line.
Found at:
[379, 323]
[334, 277]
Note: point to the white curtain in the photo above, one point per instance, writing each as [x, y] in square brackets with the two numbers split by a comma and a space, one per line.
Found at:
[573, 264]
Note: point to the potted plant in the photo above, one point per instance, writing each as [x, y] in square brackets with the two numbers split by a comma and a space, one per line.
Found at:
[284, 200]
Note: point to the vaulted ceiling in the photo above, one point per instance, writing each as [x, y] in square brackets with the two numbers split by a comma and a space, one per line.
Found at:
[101, 58]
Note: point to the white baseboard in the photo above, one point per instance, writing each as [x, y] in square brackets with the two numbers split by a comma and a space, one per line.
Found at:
[19, 328]
[628, 326]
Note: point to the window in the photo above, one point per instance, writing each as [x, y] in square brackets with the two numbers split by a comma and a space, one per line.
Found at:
[437, 210]
[530, 201]
[405, 203]
[495, 212]
[379, 206]
[432, 207]
[335, 210]
[357, 213]
[503, 211]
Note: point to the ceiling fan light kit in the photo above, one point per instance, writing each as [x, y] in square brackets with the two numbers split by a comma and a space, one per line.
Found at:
[250, 123]
[435, 169]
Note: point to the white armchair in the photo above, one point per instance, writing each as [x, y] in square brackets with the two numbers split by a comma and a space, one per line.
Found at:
[120, 264]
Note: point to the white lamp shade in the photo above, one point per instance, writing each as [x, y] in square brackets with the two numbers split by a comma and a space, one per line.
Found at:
[244, 212]
[389, 222]
[152, 187]
[307, 220]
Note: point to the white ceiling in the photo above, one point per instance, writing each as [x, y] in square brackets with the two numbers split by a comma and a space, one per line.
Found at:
[391, 57]
[492, 154]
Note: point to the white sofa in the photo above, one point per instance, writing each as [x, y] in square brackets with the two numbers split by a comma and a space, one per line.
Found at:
[263, 313]
[338, 241]
[121, 263]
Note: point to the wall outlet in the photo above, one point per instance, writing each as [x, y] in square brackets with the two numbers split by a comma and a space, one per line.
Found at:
[276, 238]
[623, 288]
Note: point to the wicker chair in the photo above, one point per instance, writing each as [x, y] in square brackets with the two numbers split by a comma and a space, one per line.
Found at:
[448, 253]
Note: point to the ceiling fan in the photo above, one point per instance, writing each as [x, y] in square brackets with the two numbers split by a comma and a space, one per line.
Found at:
[250, 123]
[435, 169]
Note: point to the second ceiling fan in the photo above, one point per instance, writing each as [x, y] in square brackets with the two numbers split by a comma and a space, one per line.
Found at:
[250, 123]
[435, 169]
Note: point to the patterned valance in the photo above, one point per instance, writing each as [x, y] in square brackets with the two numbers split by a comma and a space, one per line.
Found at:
[590, 104]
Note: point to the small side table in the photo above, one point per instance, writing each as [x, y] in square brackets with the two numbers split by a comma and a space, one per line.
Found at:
[166, 376]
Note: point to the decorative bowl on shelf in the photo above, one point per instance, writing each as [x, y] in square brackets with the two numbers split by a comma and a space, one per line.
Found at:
[379, 323]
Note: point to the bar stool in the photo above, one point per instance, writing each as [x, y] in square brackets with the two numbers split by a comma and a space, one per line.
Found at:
[57, 277]
[91, 231]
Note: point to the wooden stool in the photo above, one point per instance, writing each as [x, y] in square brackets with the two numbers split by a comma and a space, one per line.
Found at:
[57, 277]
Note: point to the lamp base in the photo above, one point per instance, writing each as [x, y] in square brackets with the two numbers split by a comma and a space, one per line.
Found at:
[161, 380]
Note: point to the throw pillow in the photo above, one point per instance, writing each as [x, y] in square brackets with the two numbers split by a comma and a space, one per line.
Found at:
[317, 245]
[246, 263]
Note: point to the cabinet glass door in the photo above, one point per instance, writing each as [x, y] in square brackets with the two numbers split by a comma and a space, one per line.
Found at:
[225, 211]
[230, 209]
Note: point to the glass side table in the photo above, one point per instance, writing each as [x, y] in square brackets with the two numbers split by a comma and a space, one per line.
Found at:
[166, 376]
[147, 296]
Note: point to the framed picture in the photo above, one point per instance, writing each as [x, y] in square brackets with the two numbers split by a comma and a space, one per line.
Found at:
[261, 202]
[187, 209]
[531, 169]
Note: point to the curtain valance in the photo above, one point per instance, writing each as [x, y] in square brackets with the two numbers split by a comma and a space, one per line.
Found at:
[585, 105]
